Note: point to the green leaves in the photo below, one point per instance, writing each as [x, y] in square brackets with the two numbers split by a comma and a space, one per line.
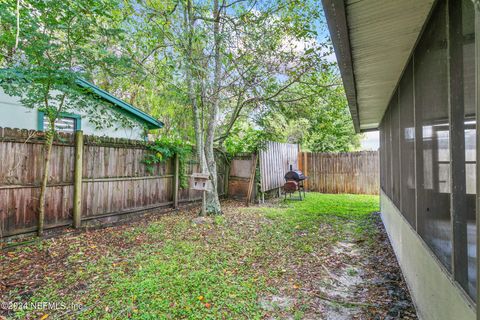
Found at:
[277, 79]
[166, 148]
[244, 138]
[58, 44]
[313, 113]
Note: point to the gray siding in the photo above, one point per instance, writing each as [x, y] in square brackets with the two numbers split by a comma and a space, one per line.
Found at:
[14, 115]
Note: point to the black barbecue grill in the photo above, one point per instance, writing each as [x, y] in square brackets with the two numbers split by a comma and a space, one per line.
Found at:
[295, 175]
[294, 182]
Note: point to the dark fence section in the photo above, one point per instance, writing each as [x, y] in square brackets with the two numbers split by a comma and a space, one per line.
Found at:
[240, 177]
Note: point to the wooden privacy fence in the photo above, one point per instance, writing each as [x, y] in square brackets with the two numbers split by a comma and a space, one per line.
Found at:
[275, 160]
[113, 179]
[349, 172]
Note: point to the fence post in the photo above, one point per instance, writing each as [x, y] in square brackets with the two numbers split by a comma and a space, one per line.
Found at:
[176, 181]
[77, 180]
[226, 178]
[251, 182]
[305, 168]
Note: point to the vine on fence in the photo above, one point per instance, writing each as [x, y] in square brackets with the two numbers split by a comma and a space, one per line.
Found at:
[165, 148]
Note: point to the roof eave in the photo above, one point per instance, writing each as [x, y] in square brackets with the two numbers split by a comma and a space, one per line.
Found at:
[337, 24]
[150, 122]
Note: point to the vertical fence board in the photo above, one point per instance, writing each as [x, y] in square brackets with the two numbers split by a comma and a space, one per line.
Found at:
[354, 172]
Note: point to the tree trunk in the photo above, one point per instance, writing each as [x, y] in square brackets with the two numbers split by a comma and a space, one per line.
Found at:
[43, 189]
[213, 202]
[192, 95]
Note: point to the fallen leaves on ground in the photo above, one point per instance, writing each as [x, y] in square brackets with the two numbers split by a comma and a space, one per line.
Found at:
[307, 260]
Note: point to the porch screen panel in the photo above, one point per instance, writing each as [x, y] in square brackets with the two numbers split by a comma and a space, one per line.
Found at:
[388, 154]
[431, 100]
[407, 141]
[382, 155]
[468, 47]
[395, 124]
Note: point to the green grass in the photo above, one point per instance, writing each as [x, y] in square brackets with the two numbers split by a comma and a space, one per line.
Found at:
[173, 269]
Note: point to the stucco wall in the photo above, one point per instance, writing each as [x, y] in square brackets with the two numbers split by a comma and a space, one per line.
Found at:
[14, 115]
[435, 294]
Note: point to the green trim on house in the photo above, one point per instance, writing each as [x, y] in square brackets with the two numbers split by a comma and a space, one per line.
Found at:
[78, 120]
[130, 110]
[125, 108]
[40, 117]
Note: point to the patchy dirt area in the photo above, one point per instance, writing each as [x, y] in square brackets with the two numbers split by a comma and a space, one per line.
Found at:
[324, 258]
[366, 282]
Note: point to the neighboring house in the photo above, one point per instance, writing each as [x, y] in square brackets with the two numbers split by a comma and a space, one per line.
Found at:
[409, 70]
[14, 115]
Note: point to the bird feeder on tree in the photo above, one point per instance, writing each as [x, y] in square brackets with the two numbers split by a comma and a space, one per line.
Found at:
[200, 181]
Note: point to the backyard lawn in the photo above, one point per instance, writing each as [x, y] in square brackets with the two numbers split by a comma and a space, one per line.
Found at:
[323, 258]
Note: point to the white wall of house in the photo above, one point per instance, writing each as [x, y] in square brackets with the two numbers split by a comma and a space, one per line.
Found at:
[14, 115]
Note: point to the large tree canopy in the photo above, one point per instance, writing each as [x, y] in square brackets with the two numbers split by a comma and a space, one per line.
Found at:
[219, 73]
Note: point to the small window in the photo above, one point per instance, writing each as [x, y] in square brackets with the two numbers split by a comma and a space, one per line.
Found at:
[62, 124]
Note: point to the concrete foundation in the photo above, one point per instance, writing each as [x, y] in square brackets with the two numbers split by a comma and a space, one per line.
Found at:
[435, 294]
